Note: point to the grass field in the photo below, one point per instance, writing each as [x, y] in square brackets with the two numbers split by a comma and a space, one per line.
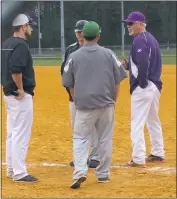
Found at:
[57, 62]
[51, 142]
[52, 57]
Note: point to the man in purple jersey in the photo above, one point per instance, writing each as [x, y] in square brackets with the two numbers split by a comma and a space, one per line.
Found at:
[145, 69]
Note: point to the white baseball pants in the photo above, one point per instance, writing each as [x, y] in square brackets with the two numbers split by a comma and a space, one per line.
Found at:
[19, 124]
[94, 155]
[144, 110]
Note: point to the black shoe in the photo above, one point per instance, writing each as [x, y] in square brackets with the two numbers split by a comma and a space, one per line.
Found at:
[71, 164]
[27, 178]
[93, 163]
[154, 158]
[103, 180]
[77, 183]
[90, 163]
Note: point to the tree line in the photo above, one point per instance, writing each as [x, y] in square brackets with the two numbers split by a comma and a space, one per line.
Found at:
[161, 17]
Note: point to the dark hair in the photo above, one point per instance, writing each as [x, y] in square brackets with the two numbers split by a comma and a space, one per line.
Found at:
[90, 38]
[16, 28]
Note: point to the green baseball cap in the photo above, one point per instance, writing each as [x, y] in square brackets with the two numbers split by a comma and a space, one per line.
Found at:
[91, 29]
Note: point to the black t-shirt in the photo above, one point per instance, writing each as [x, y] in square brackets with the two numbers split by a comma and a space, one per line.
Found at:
[16, 58]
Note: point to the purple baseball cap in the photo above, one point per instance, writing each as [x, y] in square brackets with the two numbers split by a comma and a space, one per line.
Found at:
[135, 16]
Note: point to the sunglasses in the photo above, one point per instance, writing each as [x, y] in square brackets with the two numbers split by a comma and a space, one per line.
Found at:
[130, 23]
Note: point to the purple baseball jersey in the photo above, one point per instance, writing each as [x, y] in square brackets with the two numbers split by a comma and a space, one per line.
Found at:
[145, 62]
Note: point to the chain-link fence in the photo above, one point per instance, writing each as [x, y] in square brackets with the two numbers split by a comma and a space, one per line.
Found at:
[55, 53]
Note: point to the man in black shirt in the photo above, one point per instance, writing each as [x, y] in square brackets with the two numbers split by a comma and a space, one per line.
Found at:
[93, 160]
[18, 82]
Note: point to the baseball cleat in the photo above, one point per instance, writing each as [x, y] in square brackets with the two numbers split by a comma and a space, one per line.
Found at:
[71, 164]
[154, 158]
[103, 180]
[28, 179]
[77, 183]
[93, 163]
[133, 164]
[90, 163]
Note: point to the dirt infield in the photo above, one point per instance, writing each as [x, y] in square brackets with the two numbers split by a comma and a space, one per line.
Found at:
[51, 142]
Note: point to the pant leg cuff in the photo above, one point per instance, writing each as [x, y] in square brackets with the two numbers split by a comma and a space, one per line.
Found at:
[19, 176]
[139, 162]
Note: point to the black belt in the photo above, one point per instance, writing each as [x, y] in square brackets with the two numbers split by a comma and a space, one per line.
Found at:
[15, 93]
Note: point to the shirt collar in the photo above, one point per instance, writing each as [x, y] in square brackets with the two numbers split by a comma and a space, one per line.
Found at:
[91, 44]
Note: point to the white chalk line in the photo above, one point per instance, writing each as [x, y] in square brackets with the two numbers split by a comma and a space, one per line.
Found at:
[167, 170]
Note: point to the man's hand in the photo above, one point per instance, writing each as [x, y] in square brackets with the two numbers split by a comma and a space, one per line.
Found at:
[17, 77]
[21, 94]
[125, 63]
[72, 92]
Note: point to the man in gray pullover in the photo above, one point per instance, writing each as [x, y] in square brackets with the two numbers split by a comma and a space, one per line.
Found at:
[93, 74]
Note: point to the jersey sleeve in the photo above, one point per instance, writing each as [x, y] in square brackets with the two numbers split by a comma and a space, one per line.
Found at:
[68, 73]
[118, 69]
[19, 58]
[64, 61]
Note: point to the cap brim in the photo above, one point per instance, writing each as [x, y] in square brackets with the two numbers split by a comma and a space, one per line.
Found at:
[127, 21]
[77, 30]
[33, 23]
[130, 21]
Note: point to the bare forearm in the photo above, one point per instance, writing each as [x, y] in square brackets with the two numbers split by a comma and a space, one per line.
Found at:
[17, 77]
[117, 91]
[125, 64]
